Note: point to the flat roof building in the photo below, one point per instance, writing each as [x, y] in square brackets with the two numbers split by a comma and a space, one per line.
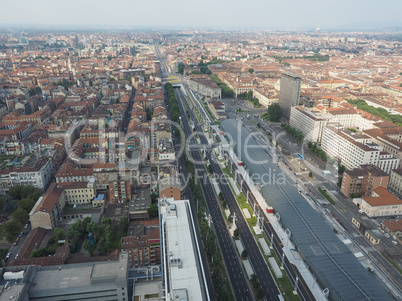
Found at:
[183, 274]
[90, 281]
[308, 123]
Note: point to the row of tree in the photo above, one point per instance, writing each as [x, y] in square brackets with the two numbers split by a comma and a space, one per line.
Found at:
[173, 104]
[380, 112]
[213, 256]
[226, 91]
[292, 131]
[317, 151]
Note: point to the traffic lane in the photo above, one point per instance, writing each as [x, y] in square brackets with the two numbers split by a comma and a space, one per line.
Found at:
[197, 233]
[267, 284]
[237, 279]
[254, 253]
[233, 266]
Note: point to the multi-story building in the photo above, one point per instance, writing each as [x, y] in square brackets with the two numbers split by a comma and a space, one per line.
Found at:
[308, 123]
[352, 149]
[119, 191]
[395, 181]
[47, 212]
[104, 174]
[289, 94]
[143, 250]
[170, 187]
[91, 281]
[38, 175]
[387, 162]
[389, 140]
[364, 180]
[69, 173]
[179, 252]
[381, 203]
[204, 85]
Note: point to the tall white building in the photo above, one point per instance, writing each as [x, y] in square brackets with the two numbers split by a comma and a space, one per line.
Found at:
[352, 149]
[308, 123]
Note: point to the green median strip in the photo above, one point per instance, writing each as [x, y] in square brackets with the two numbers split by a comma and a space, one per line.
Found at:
[326, 196]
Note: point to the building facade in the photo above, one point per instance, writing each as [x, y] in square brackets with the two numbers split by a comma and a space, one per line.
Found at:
[289, 94]
[352, 149]
[395, 181]
[308, 123]
[364, 180]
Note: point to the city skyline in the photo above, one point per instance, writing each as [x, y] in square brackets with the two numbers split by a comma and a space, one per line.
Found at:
[345, 15]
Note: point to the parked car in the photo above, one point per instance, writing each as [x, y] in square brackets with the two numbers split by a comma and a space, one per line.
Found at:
[16, 256]
[387, 235]
[395, 242]
[26, 226]
[21, 234]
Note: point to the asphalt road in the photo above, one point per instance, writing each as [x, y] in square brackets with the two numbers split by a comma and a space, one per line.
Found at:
[254, 254]
[234, 268]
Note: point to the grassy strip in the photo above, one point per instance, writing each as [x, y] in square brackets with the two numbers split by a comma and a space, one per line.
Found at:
[392, 263]
[326, 196]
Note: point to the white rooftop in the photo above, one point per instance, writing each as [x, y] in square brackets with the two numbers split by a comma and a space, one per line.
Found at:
[181, 260]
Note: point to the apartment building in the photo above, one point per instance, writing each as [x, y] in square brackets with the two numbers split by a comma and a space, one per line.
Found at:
[395, 181]
[48, 209]
[387, 162]
[143, 250]
[70, 173]
[38, 175]
[381, 203]
[308, 123]
[389, 140]
[352, 149]
[204, 85]
[363, 180]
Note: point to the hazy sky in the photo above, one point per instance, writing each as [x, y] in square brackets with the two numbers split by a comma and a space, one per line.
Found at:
[211, 13]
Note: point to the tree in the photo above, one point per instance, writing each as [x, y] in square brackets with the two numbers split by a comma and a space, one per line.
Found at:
[220, 195]
[244, 254]
[20, 215]
[236, 233]
[275, 112]
[9, 205]
[59, 233]
[251, 70]
[124, 225]
[153, 211]
[310, 174]
[250, 95]
[24, 191]
[12, 228]
[230, 218]
[87, 245]
[95, 230]
[26, 204]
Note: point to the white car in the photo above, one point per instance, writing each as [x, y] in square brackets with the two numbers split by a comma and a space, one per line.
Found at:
[387, 235]
[16, 256]
[395, 242]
